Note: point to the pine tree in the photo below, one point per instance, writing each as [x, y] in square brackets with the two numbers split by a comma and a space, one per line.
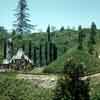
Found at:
[5, 49]
[71, 86]
[22, 23]
[80, 38]
[30, 49]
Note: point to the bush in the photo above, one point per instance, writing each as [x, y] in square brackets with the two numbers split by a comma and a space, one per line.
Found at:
[13, 89]
[71, 86]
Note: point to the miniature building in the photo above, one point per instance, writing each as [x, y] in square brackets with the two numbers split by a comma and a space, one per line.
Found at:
[17, 61]
[20, 59]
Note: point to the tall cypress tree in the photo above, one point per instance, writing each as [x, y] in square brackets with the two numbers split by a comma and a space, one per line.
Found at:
[49, 46]
[13, 34]
[35, 56]
[92, 38]
[55, 52]
[30, 49]
[22, 23]
[40, 53]
[46, 53]
[48, 31]
[93, 33]
[80, 38]
[62, 29]
[5, 48]
[50, 52]
[23, 46]
[12, 49]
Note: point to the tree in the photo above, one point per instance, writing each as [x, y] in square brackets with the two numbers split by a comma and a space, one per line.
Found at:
[80, 38]
[62, 29]
[23, 46]
[71, 86]
[40, 53]
[5, 49]
[22, 23]
[91, 47]
[53, 29]
[46, 53]
[50, 52]
[30, 49]
[92, 38]
[3, 30]
[35, 56]
[55, 52]
[48, 31]
[12, 49]
[93, 33]
[13, 34]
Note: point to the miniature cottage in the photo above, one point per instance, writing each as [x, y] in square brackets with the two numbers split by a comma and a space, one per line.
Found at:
[20, 59]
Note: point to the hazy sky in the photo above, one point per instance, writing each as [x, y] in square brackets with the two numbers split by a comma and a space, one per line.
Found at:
[54, 12]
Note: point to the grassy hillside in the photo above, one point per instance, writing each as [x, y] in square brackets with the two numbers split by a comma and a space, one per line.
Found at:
[91, 62]
[65, 41]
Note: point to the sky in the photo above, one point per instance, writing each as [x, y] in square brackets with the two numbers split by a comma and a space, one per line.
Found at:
[54, 12]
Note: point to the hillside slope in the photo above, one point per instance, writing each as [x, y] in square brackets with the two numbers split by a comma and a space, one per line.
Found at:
[91, 62]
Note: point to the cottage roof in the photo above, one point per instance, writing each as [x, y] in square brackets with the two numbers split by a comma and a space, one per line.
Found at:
[5, 61]
[20, 54]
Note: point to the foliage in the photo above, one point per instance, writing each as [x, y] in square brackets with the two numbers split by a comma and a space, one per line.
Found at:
[92, 39]
[46, 53]
[50, 52]
[40, 51]
[30, 50]
[13, 89]
[23, 46]
[55, 52]
[48, 31]
[3, 30]
[22, 23]
[35, 56]
[62, 29]
[80, 38]
[91, 61]
[5, 48]
[71, 86]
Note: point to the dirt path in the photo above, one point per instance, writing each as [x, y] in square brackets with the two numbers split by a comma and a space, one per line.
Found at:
[45, 81]
[48, 81]
[92, 76]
